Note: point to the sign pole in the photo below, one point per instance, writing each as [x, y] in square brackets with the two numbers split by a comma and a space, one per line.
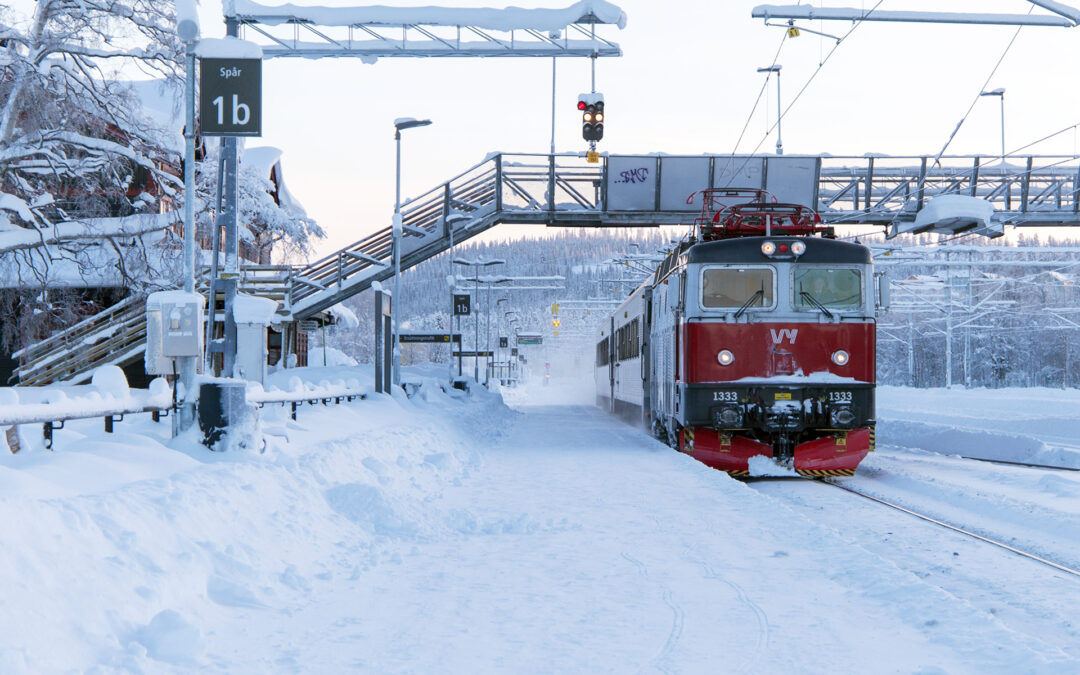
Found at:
[230, 98]
[231, 272]
[187, 363]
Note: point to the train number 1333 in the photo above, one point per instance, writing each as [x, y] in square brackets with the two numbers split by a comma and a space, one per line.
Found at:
[725, 396]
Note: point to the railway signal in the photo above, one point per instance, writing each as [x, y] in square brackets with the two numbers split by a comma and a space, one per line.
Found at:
[592, 116]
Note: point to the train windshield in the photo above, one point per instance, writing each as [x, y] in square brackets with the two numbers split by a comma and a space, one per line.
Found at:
[821, 287]
[737, 287]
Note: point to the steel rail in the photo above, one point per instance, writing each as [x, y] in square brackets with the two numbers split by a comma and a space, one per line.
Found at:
[1025, 464]
[954, 528]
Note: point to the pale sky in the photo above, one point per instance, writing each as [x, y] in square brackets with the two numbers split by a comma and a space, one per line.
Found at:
[686, 84]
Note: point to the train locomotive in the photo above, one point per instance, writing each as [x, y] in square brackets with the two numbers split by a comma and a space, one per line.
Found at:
[754, 337]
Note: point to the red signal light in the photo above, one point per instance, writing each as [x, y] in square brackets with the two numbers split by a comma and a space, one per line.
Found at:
[581, 105]
[783, 248]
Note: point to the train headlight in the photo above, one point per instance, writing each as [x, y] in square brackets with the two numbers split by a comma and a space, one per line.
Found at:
[729, 417]
[768, 247]
[841, 417]
[798, 247]
[840, 357]
[725, 358]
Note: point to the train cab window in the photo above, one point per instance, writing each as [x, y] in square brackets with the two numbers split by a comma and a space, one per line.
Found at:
[737, 286]
[817, 287]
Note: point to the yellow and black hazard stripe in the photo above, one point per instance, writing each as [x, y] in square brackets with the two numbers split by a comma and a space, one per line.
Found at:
[873, 437]
[826, 473]
[688, 440]
[739, 473]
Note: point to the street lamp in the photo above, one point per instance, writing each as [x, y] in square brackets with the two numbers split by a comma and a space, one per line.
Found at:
[397, 231]
[476, 265]
[999, 92]
[775, 68]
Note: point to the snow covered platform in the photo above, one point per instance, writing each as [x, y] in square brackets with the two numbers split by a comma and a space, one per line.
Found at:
[452, 533]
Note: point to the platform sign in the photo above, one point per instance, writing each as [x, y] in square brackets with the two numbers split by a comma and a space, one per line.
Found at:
[504, 343]
[530, 340]
[230, 97]
[436, 338]
[470, 355]
[461, 304]
[513, 351]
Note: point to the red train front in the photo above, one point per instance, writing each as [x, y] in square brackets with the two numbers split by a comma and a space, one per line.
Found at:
[759, 339]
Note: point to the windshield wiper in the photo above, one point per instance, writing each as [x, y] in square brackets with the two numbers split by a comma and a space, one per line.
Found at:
[814, 301]
[753, 298]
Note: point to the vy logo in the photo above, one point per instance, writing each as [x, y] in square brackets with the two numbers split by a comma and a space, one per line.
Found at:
[788, 334]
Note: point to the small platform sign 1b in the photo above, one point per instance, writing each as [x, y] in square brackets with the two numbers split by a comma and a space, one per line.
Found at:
[230, 97]
[461, 304]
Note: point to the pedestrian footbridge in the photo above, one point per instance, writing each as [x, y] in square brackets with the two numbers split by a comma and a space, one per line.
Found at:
[617, 191]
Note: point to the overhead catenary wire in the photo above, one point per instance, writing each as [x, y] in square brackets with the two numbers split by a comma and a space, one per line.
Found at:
[785, 111]
[975, 100]
[817, 70]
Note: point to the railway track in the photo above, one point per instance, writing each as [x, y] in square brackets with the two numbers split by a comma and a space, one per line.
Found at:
[954, 528]
[1025, 464]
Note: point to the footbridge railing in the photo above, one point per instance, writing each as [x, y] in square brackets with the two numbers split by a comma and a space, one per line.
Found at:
[618, 191]
[652, 190]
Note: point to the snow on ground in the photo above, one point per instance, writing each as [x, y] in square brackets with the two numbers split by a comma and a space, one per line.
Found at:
[453, 533]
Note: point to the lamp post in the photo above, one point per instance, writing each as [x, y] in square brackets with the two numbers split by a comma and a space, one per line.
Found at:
[1000, 93]
[397, 231]
[476, 265]
[775, 68]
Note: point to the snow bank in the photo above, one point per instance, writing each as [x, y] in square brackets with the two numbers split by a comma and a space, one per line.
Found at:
[108, 393]
[1036, 425]
[955, 213]
[510, 18]
[345, 317]
[227, 48]
[251, 309]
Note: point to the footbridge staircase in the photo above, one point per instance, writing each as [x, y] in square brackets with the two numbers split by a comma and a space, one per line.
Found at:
[619, 191]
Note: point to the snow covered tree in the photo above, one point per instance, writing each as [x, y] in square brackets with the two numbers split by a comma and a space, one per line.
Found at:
[73, 143]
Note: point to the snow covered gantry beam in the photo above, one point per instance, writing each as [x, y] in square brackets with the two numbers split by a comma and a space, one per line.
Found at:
[1066, 17]
[378, 31]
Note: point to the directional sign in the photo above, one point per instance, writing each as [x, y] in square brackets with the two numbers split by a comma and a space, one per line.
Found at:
[533, 340]
[504, 343]
[461, 304]
[473, 354]
[230, 97]
[428, 337]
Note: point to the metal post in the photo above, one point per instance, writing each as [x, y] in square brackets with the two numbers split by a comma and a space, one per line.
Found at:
[1003, 128]
[453, 287]
[396, 234]
[230, 219]
[779, 115]
[911, 349]
[187, 363]
[476, 324]
[948, 322]
[487, 341]
[379, 346]
[967, 328]
[552, 105]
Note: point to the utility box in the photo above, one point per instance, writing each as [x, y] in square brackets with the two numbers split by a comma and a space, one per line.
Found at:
[251, 351]
[252, 315]
[175, 326]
